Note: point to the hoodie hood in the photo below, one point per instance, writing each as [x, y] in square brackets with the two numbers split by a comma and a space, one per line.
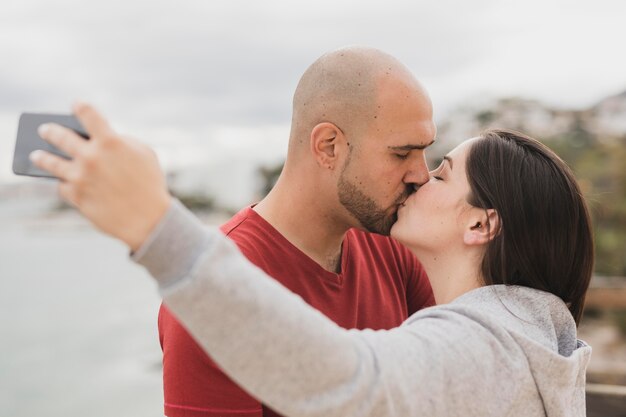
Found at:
[545, 330]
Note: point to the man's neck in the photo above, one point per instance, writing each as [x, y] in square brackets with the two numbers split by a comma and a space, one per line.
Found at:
[306, 223]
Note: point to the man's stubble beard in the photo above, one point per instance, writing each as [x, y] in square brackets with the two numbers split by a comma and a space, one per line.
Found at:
[370, 215]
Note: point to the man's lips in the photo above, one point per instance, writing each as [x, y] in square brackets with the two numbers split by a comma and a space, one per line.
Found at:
[406, 201]
[402, 203]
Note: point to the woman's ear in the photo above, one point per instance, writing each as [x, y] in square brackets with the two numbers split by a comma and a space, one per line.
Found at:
[325, 140]
[483, 225]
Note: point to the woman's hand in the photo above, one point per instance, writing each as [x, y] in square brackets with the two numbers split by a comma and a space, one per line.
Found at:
[114, 181]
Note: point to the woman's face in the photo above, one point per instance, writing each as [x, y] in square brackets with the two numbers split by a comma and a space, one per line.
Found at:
[434, 218]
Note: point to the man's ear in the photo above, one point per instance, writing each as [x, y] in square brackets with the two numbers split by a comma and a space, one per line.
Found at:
[326, 139]
[482, 226]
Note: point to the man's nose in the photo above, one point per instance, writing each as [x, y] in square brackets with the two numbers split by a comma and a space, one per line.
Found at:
[418, 173]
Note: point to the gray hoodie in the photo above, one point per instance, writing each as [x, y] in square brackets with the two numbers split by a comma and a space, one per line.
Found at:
[494, 351]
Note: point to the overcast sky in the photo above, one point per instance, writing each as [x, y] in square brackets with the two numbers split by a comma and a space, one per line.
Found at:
[194, 78]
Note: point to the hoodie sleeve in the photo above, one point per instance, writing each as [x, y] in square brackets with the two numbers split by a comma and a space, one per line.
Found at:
[298, 361]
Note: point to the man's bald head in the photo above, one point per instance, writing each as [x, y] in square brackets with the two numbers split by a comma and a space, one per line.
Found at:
[342, 87]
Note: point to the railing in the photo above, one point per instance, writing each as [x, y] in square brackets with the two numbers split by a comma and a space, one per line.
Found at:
[606, 400]
[607, 293]
[606, 394]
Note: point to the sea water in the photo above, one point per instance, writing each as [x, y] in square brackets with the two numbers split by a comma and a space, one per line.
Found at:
[78, 320]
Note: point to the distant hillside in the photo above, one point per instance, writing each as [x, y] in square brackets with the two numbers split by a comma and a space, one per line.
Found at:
[606, 119]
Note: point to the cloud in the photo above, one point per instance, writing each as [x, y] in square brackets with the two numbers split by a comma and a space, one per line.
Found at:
[192, 68]
[223, 62]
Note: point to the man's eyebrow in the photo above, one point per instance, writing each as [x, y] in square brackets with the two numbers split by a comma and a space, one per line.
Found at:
[447, 158]
[410, 147]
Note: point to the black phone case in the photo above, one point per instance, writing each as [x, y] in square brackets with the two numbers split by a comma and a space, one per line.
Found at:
[28, 140]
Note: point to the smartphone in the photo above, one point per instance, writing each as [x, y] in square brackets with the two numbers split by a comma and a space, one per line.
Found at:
[28, 140]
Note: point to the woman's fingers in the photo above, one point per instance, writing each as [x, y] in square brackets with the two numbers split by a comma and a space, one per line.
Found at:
[62, 138]
[56, 165]
[93, 122]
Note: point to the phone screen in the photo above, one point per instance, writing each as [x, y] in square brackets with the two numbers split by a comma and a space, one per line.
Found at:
[28, 140]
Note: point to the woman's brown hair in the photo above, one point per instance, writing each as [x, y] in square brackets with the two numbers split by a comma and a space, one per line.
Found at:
[544, 239]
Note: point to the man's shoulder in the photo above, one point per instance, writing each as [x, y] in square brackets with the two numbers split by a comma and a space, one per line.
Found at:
[254, 236]
[247, 225]
[240, 218]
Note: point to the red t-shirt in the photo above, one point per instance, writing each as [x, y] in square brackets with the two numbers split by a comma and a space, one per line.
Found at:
[381, 283]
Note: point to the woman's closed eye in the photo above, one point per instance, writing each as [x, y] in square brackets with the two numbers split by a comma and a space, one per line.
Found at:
[437, 173]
